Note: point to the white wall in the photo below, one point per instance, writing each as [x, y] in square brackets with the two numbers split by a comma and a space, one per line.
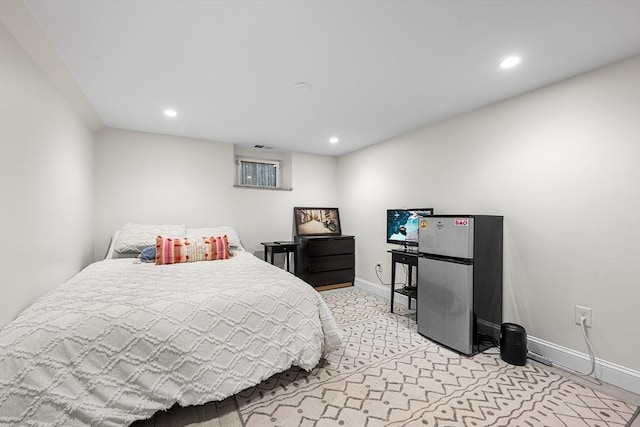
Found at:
[151, 178]
[562, 164]
[46, 226]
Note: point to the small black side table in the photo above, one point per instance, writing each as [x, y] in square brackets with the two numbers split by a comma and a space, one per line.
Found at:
[281, 248]
[411, 260]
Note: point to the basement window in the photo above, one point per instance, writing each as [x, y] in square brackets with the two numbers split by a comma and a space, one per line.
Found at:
[258, 173]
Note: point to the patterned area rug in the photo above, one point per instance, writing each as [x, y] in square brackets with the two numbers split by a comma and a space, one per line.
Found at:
[386, 374]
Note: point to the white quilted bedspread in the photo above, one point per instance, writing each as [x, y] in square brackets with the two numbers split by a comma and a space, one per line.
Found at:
[120, 341]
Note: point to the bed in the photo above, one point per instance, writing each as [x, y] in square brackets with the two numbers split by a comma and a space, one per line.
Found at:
[124, 339]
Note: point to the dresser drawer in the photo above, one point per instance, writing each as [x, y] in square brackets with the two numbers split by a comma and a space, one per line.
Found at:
[331, 247]
[331, 277]
[326, 260]
[331, 262]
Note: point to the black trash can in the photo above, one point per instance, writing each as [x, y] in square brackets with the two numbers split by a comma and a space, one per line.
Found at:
[513, 344]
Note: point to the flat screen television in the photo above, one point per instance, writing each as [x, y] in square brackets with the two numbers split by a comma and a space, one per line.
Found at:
[402, 225]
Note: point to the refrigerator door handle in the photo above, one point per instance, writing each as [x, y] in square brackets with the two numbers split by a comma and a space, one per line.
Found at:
[464, 261]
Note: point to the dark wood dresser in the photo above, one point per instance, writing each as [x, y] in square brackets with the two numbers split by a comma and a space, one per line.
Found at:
[326, 260]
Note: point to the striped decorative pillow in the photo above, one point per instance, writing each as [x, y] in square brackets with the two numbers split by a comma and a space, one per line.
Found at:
[217, 247]
[171, 250]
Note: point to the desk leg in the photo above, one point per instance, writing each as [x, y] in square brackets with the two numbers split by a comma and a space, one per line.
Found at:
[409, 284]
[265, 253]
[286, 254]
[295, 260]
[272, 256]
[393, 282]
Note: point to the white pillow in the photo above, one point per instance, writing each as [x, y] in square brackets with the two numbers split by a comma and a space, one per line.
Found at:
[112, 245]
[112, 253]
[133, 238]
[232, 235]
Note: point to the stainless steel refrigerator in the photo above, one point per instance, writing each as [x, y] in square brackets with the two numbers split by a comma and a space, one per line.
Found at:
[460, 281]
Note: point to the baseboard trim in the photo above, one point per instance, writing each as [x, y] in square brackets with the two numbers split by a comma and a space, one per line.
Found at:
[608, 372]
[381, 290]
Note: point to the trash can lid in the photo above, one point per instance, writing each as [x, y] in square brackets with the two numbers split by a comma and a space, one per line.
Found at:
[512, 327]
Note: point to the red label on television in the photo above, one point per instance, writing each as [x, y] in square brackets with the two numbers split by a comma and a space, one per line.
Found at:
[461, 222]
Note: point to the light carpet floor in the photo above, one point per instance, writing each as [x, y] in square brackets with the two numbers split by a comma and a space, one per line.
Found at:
[386, 374]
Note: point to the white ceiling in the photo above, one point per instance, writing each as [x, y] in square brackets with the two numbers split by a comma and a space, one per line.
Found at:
[377, 68]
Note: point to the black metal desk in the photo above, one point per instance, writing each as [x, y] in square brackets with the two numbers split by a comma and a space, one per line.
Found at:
[281, 248]
[411, 260]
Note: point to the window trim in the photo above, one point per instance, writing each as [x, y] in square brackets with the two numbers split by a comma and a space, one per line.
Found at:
[271, 162]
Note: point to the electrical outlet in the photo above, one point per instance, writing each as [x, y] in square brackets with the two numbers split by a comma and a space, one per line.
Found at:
[583, 311]
[379, 266]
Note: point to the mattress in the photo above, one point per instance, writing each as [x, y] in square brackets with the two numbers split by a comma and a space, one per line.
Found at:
[122, 340]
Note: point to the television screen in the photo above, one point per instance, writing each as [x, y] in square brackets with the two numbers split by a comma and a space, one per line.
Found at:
[402, 225]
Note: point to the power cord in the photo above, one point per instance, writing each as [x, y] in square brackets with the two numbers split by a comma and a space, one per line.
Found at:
[583, 328]
[592, 354]
[406, 274]
[380, 278]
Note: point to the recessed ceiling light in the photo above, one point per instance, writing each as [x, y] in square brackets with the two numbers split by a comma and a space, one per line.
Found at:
[509, 62]
[170, 113]
[302, 86]
[334, 140]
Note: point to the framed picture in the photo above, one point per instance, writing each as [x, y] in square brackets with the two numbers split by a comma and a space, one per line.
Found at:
[317, 221]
